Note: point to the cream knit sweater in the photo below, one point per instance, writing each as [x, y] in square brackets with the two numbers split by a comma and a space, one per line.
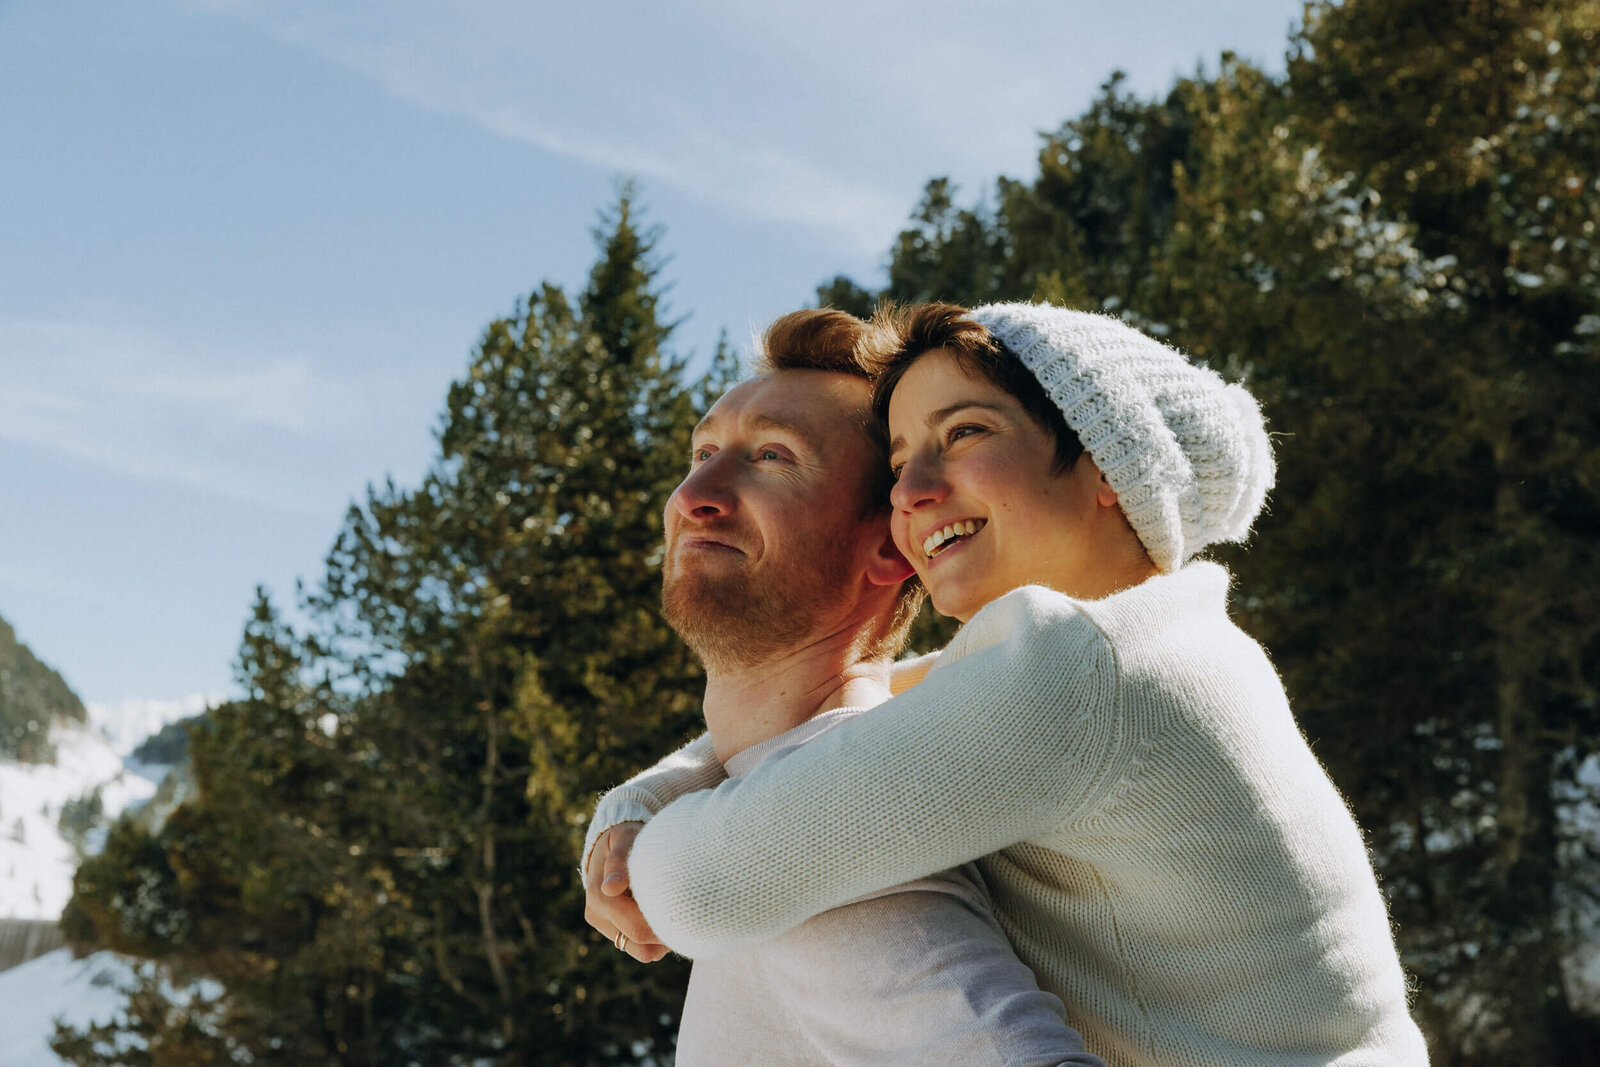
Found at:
[1162, 847]
[916, 975]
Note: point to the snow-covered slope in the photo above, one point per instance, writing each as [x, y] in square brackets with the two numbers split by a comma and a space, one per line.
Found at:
[36, 859]
[126, 723]
[36, 862]
[55, 985]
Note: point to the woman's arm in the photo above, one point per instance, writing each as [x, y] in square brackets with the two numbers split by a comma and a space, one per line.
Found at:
[693, 767]
[1010, 736]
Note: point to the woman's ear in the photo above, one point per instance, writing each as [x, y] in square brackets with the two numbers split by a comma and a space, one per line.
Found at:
[1086, 468]
[1104, 495]
[887, 566]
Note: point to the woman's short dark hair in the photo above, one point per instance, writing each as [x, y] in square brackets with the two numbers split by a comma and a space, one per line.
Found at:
[899, 336]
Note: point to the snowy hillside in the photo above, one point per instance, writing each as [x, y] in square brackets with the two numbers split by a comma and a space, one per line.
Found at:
[126, 723]
[35, 994]
[37, 862]
[36, 858]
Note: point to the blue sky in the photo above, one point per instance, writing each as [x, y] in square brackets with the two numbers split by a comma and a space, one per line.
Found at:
[245, 246]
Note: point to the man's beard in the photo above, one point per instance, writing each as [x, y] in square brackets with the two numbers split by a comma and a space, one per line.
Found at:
[736, 620]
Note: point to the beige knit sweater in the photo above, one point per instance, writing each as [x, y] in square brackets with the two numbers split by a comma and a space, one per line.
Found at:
[1162, 847]
[918, 974]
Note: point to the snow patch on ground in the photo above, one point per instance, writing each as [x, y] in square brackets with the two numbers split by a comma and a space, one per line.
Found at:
[36, 860]
[126, 723]
[1582, 816]
[55, 985]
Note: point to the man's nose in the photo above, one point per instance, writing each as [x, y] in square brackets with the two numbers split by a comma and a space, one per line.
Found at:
[920, 483]
[705, 492]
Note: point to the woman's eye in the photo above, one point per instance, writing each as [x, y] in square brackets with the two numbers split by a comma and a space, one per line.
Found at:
[966, 429]
[770, 453]
[894, 471]
[699, 455]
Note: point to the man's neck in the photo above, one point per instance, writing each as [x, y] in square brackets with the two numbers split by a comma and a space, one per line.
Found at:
[749, 705]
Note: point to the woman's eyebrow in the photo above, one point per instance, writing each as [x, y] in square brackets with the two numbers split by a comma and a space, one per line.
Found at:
[962, 405]
[936, 417]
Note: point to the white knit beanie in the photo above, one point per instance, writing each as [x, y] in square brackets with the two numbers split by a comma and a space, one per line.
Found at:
[1186, 452]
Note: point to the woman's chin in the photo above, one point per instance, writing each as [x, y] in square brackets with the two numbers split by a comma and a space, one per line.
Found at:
[954, 604]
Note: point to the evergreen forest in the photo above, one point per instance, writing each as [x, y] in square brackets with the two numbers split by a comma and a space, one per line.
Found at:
[33, 697]
[1394, 243]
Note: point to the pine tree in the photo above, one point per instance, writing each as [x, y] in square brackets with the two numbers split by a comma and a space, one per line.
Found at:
[1475, 122]
[33, 698]
[380, 867]
[1395, 246]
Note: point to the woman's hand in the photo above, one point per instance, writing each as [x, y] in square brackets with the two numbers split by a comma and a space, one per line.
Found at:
[608, 905]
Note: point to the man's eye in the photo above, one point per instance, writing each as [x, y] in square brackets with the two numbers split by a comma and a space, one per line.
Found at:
[894, 471]
[699, 455]
[769, 453]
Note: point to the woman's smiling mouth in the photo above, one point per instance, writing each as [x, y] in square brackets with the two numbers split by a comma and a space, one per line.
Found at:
[937, 541]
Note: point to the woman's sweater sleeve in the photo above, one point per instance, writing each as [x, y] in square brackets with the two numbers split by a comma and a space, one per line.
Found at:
[1009, 738]
[693, 767]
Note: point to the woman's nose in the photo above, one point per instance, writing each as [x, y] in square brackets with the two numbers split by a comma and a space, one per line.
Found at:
[920, 483]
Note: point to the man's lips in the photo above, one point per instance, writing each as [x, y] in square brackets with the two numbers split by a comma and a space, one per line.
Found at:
[707, 543]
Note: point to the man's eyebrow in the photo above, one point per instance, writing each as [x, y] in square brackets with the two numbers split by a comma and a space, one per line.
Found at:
[936, 417]
[782, 425]
[763, 421]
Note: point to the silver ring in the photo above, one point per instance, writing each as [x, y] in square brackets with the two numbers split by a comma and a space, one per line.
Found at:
[622, 941]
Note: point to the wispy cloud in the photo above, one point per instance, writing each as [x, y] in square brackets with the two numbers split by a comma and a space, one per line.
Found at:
[669, 94]
[245, 425]
[828, 114]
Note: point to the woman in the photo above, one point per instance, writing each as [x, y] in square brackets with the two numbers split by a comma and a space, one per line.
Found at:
[1162, 846]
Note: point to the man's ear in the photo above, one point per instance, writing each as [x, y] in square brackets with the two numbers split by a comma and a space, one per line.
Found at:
[887, 566]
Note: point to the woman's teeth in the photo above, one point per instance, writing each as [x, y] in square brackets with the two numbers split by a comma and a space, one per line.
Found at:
[934, 543]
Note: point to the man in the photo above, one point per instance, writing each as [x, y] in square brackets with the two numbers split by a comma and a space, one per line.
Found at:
[781, 575]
